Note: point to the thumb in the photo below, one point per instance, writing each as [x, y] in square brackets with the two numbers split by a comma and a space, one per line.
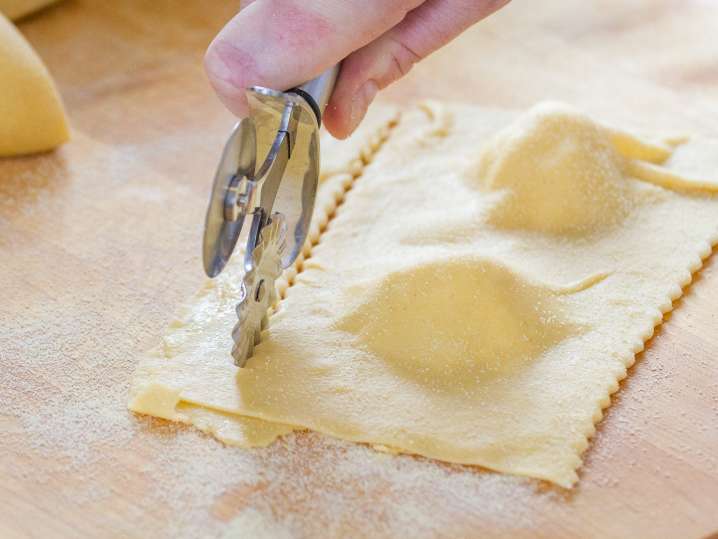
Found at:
[373, 67]
[283, 43]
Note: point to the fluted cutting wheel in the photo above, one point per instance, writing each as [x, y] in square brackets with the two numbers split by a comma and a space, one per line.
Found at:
[259, 292]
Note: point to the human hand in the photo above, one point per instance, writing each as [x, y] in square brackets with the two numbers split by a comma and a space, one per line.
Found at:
[283, 43]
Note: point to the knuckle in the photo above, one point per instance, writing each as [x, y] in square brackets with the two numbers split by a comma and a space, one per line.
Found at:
[229, 66]
[403, 59]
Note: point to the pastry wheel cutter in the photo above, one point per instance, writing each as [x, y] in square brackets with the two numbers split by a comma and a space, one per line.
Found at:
[264, 190]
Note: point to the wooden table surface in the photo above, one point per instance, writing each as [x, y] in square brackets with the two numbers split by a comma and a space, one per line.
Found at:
[100, 243]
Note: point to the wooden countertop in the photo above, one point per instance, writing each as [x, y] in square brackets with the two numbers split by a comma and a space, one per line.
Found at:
[100, 243]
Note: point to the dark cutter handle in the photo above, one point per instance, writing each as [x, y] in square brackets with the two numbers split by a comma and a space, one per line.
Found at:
[318, 91]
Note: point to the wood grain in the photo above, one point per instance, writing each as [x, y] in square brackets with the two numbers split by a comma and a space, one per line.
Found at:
[100, 243]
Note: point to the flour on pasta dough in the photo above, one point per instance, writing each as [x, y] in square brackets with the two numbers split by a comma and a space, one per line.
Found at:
[476, 299]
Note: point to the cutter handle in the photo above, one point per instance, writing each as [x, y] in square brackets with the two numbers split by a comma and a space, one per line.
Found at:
[318, 90]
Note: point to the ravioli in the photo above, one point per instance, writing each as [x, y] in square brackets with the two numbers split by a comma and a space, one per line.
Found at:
[477, 297]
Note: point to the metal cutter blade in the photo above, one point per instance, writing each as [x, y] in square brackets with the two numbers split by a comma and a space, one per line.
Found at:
[222, 225]
[278, 196]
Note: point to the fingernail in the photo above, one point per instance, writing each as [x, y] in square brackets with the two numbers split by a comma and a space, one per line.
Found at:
[360, 103]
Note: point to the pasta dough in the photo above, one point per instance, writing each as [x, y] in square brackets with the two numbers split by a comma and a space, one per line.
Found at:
[476, 300]
[213, 308]
[14, 9]
[33, 119]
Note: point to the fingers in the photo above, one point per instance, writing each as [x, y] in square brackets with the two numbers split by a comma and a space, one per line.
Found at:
[391, 56]
[282, 43]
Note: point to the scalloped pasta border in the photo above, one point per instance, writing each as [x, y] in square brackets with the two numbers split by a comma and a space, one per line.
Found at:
[333, 197]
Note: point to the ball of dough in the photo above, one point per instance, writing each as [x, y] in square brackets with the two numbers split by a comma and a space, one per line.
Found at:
[33, 118]
[14, 9]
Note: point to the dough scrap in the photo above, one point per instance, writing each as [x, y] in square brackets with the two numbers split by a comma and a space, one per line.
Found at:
[33, 118]
[15, 9]
[427, 321]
